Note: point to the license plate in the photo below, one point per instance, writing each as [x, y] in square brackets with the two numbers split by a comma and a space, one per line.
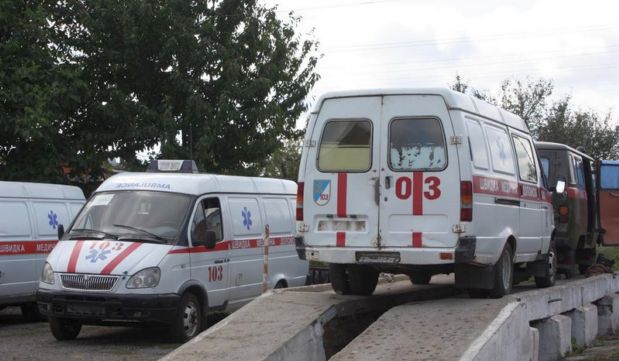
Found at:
[85, 309]
[378, 257]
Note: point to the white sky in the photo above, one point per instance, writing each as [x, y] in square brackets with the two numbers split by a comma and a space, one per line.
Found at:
[415, 43]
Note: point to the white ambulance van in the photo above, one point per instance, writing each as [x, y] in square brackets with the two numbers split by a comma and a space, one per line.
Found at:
[167, 248]
[30, 215]
[421, 182]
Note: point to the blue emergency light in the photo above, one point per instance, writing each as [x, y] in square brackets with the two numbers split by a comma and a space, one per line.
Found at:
[173, 166]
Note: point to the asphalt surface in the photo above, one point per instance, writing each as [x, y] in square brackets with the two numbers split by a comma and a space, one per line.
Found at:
[33, 341]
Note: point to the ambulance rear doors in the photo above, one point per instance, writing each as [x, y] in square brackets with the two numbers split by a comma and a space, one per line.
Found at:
[381, 172]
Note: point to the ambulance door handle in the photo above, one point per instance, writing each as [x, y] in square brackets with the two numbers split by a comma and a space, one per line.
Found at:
[377, 191]
[388, 182]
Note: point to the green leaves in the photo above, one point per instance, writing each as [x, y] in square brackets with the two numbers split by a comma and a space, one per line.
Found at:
[83, 81]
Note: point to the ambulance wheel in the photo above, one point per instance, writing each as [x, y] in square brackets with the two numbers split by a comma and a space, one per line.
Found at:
[582, 268]
[548, 280]
[339, 278]
[420, 278]
[363, 279]
[188, 318]
[64, 329]
[30, 312]
[503, 274]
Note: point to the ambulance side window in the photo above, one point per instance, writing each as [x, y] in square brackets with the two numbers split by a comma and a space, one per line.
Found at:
[477, 145]
[207, 218]
[501, 151]
[526, 160]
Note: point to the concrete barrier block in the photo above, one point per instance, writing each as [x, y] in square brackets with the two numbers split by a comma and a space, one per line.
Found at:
[608, 315]
[555, 337]
[584, 325]
[534, 343]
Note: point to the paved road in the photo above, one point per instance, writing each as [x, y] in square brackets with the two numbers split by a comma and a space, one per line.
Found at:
[33, 341]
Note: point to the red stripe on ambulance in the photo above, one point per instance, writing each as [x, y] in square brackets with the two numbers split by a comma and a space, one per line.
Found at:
[417, 193]
[340, 239]
[9, 248]
[121, 257]
[342, 184]
[417, 240]
[74, 256]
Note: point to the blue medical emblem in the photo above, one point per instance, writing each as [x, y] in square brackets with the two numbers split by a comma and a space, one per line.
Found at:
[246, 218]
[53, 219]
[322, 191]
[98, 255]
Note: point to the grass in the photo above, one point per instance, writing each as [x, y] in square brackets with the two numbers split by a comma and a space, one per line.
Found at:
[611, 253]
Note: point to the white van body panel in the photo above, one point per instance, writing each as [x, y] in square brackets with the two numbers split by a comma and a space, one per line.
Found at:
[229, 274]
[29, 217]
[423, 228]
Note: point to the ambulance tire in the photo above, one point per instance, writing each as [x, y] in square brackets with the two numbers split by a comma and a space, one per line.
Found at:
[420, 278]
[503, 274]
[64, 329]
[549, 279]
[363, 279]
[189, 318]
[339, 278]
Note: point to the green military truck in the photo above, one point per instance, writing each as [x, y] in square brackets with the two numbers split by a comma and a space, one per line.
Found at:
[571, 174]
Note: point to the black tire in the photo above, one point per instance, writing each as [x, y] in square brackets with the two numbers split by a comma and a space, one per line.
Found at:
[362, 279]
[420, 278]
[339, 278]
[477, 293]
[503, 274]
[281, 284]
[189, 320]
[64, 329]
[582, 268]
[549, 279]
[30, 312]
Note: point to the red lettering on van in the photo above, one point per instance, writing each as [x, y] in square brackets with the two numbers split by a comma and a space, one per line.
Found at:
[404, 187]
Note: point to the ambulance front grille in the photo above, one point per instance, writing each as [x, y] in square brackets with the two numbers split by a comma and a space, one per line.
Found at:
[88, 282]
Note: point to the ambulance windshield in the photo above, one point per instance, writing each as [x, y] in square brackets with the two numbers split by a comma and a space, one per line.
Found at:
[147, 215]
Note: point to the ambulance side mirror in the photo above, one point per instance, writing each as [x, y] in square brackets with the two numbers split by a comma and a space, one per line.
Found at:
[209, 241]
[560, 187]
[60, 231]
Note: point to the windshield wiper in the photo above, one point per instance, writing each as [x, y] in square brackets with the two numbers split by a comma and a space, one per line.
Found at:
[89, 230]
[156, 236]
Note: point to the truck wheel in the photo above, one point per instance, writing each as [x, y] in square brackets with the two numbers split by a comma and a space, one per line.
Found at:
[551, 271]
[582, 268]
[363, 279]
[503, 274]
[420, 278]
[188, 322]
[64, 329]
[30, 312]
[339, 278]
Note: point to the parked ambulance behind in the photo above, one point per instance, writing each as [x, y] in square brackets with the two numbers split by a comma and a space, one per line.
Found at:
[168, 248]
[30, 214]
[421, 182]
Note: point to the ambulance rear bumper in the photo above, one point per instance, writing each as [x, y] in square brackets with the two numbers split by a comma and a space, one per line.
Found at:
[464, 252]
[101, 308]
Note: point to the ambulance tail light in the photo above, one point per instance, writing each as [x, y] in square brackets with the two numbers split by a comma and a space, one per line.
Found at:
[466, 201]
[300, 189]
[564, 213]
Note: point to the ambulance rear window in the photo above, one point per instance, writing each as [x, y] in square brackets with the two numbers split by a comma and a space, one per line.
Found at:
[416, 144]
[346, 146]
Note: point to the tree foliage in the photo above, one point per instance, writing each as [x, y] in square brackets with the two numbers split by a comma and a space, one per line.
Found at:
[219, 81]
[552, 120]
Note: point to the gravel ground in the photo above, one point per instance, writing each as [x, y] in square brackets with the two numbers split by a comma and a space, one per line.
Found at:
[25, 341]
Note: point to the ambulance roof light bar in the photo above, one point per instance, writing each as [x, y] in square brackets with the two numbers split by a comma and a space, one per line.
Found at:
[172, 166]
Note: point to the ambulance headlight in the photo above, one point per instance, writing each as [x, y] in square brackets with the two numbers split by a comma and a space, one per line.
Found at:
[47, 275]
[146, 278]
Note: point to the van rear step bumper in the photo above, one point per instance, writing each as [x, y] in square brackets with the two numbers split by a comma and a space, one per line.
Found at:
[464, 252]
[96, 308]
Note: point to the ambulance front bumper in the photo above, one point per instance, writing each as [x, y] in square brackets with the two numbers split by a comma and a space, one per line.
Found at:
[464, 252]
[113, 308]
